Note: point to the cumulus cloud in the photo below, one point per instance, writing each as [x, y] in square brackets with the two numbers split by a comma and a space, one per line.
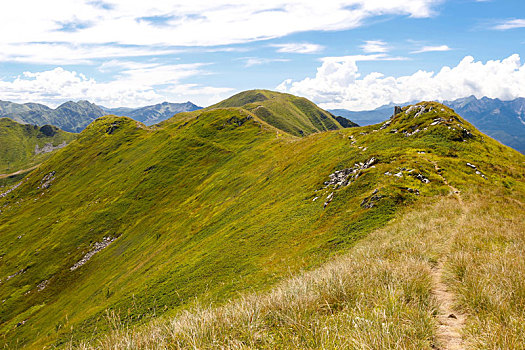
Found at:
[510, 24]
[137, 85]
[338, 83]
[371, 46]
[433, 49]
[299, 48]
[160, 23]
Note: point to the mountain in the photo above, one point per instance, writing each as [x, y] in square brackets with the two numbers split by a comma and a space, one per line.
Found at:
[75, 116]
[154, 114]
[295, 115]
[502, 120]
[69, 116]
[23, 145]
[365, 117]
[128, 223]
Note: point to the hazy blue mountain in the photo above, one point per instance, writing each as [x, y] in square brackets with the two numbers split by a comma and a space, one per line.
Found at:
[502, 120]
[75, 116]
[153, 114]
[69, 116]
[365, 117]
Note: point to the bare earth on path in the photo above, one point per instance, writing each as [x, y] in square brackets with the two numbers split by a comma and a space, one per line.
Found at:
[3, 176]
[451, 321]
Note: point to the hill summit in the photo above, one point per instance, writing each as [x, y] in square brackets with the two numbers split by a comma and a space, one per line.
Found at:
[295, 115]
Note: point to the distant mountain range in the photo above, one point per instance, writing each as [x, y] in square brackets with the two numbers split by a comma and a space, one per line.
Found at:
[502, 120]
[75, 116]
[150, 115]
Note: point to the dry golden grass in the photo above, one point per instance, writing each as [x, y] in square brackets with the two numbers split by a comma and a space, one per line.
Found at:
[378, 295]
[487, 273]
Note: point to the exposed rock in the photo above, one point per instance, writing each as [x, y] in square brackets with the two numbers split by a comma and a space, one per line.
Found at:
[481, 174]
[48, 147]
[397, 110]
[42, 285]
[406, 133]
[345, 176]
[437, 121]
[422, 178]
[97, 247]
[19, 272]
[414, 191]
[11, 189]
[328, 199]
[385, 125]
[47, 180]
[371, 201]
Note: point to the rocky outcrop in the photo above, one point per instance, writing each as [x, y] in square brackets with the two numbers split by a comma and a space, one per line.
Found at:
[48, 147]
[371, 201]
[97, 247]
[345, 176]
[47, 180]
[10, 190]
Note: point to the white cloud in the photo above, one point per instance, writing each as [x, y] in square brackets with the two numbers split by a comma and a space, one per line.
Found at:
[357, 58]
[338, 83]
[510, 24]
[180, 23]
[299, 48]
[433, 49]
[256, 61]
[137, 85]
[371, 46]
[63, 53]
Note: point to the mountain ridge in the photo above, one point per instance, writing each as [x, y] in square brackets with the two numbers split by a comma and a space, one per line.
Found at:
[502, 120]
[145, 220]
[73, 116]
[295, 115]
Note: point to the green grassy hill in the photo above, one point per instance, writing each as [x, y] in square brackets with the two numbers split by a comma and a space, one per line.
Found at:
[145, 222]
[295, 115]
[24, 145]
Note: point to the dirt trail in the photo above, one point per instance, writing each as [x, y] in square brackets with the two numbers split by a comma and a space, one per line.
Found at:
[3, 176]
[451, 321]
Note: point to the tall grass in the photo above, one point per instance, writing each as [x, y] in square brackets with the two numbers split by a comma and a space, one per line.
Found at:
[487, 273]
[377, 296]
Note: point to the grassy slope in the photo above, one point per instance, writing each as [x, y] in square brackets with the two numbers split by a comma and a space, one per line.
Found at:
[209, 204]
[295, 115]
[377, 296]
[18, 141]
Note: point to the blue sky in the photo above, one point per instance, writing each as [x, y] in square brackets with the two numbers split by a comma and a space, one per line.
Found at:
[355, 54]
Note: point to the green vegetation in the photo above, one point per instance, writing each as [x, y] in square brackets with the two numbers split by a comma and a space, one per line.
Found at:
[377, 296]
[218, 202]
[295, 115]
[18, 144]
